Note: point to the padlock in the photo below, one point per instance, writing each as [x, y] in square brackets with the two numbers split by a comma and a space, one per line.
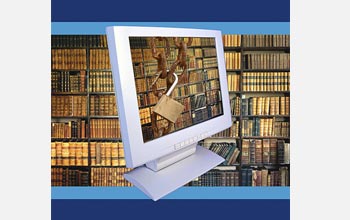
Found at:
[168, 107]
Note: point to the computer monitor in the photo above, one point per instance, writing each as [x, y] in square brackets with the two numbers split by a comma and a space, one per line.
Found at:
[171, 89]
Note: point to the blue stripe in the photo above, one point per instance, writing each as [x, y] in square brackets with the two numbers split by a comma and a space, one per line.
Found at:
[181, 193]
[179, 10]
[170, 209]
[225, 27]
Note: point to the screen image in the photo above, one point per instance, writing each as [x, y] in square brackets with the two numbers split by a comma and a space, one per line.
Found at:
[167, 104]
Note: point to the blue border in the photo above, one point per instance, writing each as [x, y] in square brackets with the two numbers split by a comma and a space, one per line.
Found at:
[181, 193]
[177, 209]
[225, 27]
[179, 10]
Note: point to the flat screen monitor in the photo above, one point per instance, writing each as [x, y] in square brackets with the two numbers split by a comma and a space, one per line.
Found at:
[146, 62]
[171, 89]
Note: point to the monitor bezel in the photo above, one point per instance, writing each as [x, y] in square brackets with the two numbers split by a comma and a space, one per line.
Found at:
[138, 152]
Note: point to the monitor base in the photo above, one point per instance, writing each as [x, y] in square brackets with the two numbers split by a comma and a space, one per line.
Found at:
[160, 183]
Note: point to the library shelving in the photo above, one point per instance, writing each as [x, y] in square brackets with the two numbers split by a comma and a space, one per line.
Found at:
[86, 145]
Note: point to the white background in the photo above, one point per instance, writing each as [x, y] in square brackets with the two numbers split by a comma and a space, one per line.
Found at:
[319, 109]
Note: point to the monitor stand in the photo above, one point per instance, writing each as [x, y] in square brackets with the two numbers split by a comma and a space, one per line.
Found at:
[166, 174]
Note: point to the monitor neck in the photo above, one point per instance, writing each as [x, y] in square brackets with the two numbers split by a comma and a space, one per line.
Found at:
[171, 158]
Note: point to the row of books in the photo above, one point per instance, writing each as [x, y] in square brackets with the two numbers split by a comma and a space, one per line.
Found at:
[69, 129]
[113, 176]
[233, 131]
[217, 178]
[195, 88]
[213, 96]
[212, 84]
[265, 151]
[209, 52]
[199, 115]
[266, 61]
[265, 81]
[147, 133]
[69, 177]
[235, 103]
[256, 40]
[268, 105]
[78, 41]
[184, 120]
[145, 115]
[99, 59]
[265, 177]
[233, 60]
[198, 101]
[228, 150]
[232, 40]
[209, 62]
[146, 99]
[264, 127]
[198, 52]
[68, 59]
[101, 81]
[144, 85]
[69, 153]
[211, 74]
[104, 128]
[107, 154]
[263, 40]
[144, 42]
[204, 41]
[68, 105]
[179, 91]
[109, 176]
[68, 81]
[233, 82]
[104, 105]
[196, 76]
[215, 110]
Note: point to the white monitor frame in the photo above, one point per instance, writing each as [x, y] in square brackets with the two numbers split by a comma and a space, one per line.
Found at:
[137, 152]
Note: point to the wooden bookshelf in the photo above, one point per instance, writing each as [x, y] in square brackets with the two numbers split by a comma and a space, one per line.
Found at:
[94, 72]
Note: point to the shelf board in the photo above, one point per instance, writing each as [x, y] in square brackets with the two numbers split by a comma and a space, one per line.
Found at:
[266, 70]
[213, 56]
[265, 116]
[102, 93]
[69, 166]
[223, 138]
[66, 70]
[68, 93]
[147, 106]
[255, 92]
[70, 139]
[93, 47]
[233, 70]
[231, 165]
[105, 139]
[105, 70]
[202, 46]
[287, 49]
[107, 166]
[266, 137]
[103, 117]
[69, 47]
[77, 117]
[232, 48]
[263, 164]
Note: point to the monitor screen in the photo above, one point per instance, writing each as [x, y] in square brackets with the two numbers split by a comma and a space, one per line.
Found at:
[171, 88]
[192, 98]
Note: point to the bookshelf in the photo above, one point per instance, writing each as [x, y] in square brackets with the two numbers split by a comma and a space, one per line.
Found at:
[86, 145]
[259, 89]
[85, 119]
